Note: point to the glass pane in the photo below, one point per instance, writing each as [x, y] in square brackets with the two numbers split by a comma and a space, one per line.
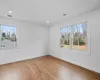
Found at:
[65, 37]
[8, 37]
[8, 33]
[75, 29]
[83, 37]
[80, 36]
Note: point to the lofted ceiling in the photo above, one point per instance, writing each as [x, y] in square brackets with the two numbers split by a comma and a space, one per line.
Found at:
[40, 11]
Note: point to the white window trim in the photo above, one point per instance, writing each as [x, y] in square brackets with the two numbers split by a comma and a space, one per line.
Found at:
[88, 40]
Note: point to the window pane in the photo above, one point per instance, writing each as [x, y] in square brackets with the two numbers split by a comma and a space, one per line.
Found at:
[80, 36]
[8, 33]
[75, 30]
[8, 37]
[65, 37]
[83, 37]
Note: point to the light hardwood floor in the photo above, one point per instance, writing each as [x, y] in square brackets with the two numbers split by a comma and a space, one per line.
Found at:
[45, 68]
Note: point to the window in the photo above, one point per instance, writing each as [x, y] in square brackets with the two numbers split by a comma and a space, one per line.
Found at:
[8, 38]
[78, 39]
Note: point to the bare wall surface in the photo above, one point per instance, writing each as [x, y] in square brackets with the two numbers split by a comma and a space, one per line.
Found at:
[89, 60]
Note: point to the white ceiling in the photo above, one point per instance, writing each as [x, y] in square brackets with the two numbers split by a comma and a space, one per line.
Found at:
[40, 11]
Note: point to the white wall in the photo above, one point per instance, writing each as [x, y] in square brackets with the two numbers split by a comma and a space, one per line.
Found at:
[32, 41]
[90, 60]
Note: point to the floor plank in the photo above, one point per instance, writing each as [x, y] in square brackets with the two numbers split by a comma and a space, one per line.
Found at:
[45, 68]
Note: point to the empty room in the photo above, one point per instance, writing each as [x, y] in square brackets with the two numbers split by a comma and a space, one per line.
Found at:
[49, 39]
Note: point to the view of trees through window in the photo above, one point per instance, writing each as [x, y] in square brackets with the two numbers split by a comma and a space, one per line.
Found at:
[79, 36]
[8, 33]
[65, 37]
[78, 39]
[8, 37]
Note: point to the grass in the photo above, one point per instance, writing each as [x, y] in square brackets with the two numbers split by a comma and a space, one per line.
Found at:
[82, 47]
[66, 46]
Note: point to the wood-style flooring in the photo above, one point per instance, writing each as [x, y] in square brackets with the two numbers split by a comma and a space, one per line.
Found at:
[45, 68]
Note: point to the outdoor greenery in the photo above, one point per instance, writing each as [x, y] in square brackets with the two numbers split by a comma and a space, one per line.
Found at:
[78, 39]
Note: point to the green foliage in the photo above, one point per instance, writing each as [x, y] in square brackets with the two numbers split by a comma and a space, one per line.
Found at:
[66, 42]
[75, 41]
[81, 42]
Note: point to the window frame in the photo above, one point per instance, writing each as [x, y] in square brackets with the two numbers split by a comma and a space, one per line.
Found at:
[88, 38]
